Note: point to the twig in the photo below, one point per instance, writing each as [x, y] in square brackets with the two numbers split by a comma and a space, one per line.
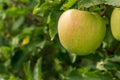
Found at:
[105, 10]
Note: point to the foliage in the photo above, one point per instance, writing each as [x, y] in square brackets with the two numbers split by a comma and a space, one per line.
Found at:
[30, 48]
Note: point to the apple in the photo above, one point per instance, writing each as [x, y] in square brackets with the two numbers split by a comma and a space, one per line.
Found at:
[115, 23]
[81, 32]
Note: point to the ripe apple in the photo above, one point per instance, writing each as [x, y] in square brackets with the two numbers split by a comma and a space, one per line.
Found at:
[115, 23]
[81, 32]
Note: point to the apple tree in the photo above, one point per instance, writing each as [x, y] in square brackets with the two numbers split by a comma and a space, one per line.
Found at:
[38, 42]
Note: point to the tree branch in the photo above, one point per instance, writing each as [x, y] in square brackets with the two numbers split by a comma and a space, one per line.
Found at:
[105, 10]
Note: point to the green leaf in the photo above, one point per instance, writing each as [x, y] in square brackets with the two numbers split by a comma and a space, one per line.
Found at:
[115, 59]
[58, 66]
[45, 7]
[5, 1]
[18, 59]
[18, 23]
[117, 51]
[2, 15]
[52, 22]
[88, 3]
[74, 75]
[3, 68]
[112, 63]
[15, 41]
[27, 71]
[109, 40]
[12, 77]
[117, 74]
[113, 2]
[37, 70]
[16, 11]
[5, 52]
[28, 30]
[25, 1]
[87, 74]
[36, 8]
[1, 25]
[69, 4]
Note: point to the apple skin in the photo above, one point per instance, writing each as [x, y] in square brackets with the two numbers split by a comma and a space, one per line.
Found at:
[115, 23]
[81, 32]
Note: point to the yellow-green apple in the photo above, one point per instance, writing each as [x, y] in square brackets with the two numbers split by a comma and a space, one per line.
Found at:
[115, 23]
[81, 32]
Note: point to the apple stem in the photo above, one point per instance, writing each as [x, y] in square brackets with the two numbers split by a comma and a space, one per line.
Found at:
[105, 10]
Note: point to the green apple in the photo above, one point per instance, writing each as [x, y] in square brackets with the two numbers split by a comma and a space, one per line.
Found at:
[115, 23]
[81, 32]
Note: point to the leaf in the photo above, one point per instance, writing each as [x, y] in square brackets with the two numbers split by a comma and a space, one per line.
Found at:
[58, 66]
[3, 69]
[5, 52]
[89, 3]
[27, 71]
[2, 15]
[97, 8]
[12, 77]
[45, 7]
[69, 4]
[113, 2]
[26, 40]
[115, 59]
[41, 44]
[109, 40]
[25, 1]
[15, 41]
[16, 11]
[75, 75]
[36, 8]
[28, 31]
[18, 23]
[117, 51]
[87, 74]
[37, 70]
[5, 1]
[112, 63]
[1, 26]
[117, 74]
[18, 59]
[52, 22]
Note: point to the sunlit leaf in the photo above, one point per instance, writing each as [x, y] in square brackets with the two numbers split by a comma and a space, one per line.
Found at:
[69, 4]
[113, 2]
[27, 71]
[89, 3]
[37, 70]
[26, 40]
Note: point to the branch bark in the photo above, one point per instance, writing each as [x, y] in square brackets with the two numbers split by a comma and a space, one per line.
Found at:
[105, 10]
